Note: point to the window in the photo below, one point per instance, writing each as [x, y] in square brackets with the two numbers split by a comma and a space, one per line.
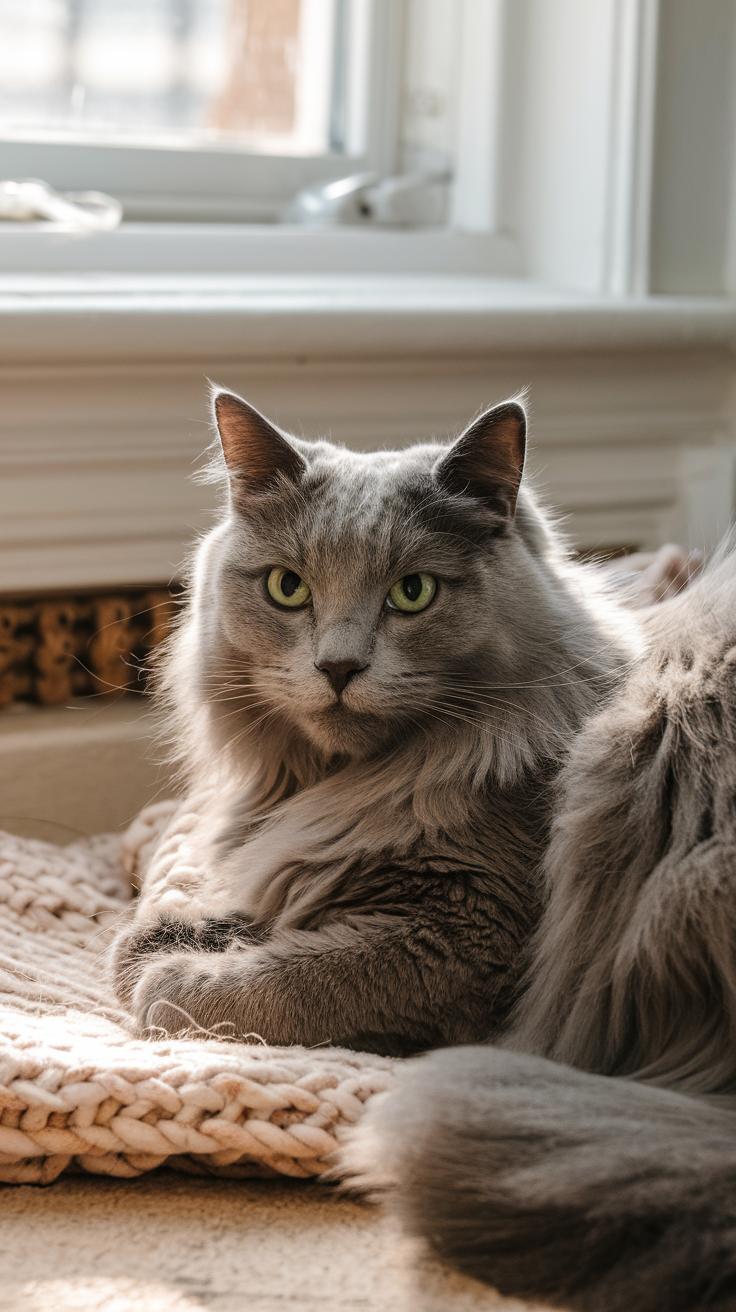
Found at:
[547, 140]
[214, 109]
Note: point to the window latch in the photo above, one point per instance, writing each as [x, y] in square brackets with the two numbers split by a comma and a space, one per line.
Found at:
[406, 199]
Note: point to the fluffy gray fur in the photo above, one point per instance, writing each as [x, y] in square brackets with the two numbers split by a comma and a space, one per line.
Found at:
[607, 1194]
[376, 851]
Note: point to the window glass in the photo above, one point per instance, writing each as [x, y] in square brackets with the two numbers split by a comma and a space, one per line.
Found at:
[264, 74]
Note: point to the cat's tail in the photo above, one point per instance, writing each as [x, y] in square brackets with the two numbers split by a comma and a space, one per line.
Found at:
[580, 1190]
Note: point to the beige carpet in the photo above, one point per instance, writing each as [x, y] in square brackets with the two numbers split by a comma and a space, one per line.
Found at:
[170, 1244]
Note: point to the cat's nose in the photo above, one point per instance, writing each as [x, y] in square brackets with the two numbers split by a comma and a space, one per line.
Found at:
[339, 672]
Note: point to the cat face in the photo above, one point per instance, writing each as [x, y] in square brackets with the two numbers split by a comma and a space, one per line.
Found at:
[357, 598]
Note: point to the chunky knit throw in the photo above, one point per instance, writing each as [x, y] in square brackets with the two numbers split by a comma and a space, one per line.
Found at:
[78, 1090]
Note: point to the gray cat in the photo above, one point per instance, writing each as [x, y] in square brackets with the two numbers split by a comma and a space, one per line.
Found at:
[386, 657]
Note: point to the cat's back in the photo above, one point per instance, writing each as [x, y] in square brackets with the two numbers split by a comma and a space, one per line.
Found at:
[663, 748]
[641, 868]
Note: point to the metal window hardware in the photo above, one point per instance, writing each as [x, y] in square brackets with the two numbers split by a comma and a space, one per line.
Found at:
[368, 198]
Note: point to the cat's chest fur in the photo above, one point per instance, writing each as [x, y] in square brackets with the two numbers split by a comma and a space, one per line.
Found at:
[325, 856]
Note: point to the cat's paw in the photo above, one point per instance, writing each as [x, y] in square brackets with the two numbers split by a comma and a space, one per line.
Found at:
[133, 946]
[158, 999]
[180, 996]
[139, 941]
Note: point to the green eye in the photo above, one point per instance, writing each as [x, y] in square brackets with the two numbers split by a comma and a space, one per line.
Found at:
[287, 589]
[412, 593]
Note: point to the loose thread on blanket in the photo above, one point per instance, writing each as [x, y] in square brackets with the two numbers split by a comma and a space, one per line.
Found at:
[194, 1028]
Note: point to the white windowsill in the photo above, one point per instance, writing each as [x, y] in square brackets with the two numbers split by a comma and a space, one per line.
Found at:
[175, 317]
[240, 248]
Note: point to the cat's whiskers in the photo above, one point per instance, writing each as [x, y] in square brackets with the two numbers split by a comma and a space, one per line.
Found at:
[442, 711]
[250, 726]
[442, 707]
[622, 664]
[472, 698]
[240, 697]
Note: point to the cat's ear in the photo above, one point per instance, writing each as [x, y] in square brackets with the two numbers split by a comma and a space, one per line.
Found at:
[255, 451]
[487, 460]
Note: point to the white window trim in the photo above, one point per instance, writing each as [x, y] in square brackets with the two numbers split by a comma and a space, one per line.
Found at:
[482, 118]
[631, 165]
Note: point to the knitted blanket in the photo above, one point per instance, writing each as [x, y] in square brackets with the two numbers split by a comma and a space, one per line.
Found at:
[78, 1090]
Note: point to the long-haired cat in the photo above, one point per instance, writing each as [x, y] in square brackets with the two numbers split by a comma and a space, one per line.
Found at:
[384, 661]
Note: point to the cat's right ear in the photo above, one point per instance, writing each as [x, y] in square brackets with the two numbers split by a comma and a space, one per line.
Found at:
[255, 452]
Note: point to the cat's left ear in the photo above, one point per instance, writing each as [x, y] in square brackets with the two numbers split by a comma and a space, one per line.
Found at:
[487, 460]
[255, 451]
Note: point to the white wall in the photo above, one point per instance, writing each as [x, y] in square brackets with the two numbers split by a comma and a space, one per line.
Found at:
[695, 146]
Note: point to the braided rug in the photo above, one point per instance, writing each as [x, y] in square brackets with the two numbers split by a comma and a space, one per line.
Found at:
[78, 1090]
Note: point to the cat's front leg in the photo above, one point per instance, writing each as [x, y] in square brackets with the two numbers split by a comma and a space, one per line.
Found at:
[387, 983]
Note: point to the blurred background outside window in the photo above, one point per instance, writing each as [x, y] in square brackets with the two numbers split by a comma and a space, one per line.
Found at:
[199, 110]
[260, 74]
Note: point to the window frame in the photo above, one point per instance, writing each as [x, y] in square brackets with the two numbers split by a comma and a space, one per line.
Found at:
[213, 183]
[521, 148]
